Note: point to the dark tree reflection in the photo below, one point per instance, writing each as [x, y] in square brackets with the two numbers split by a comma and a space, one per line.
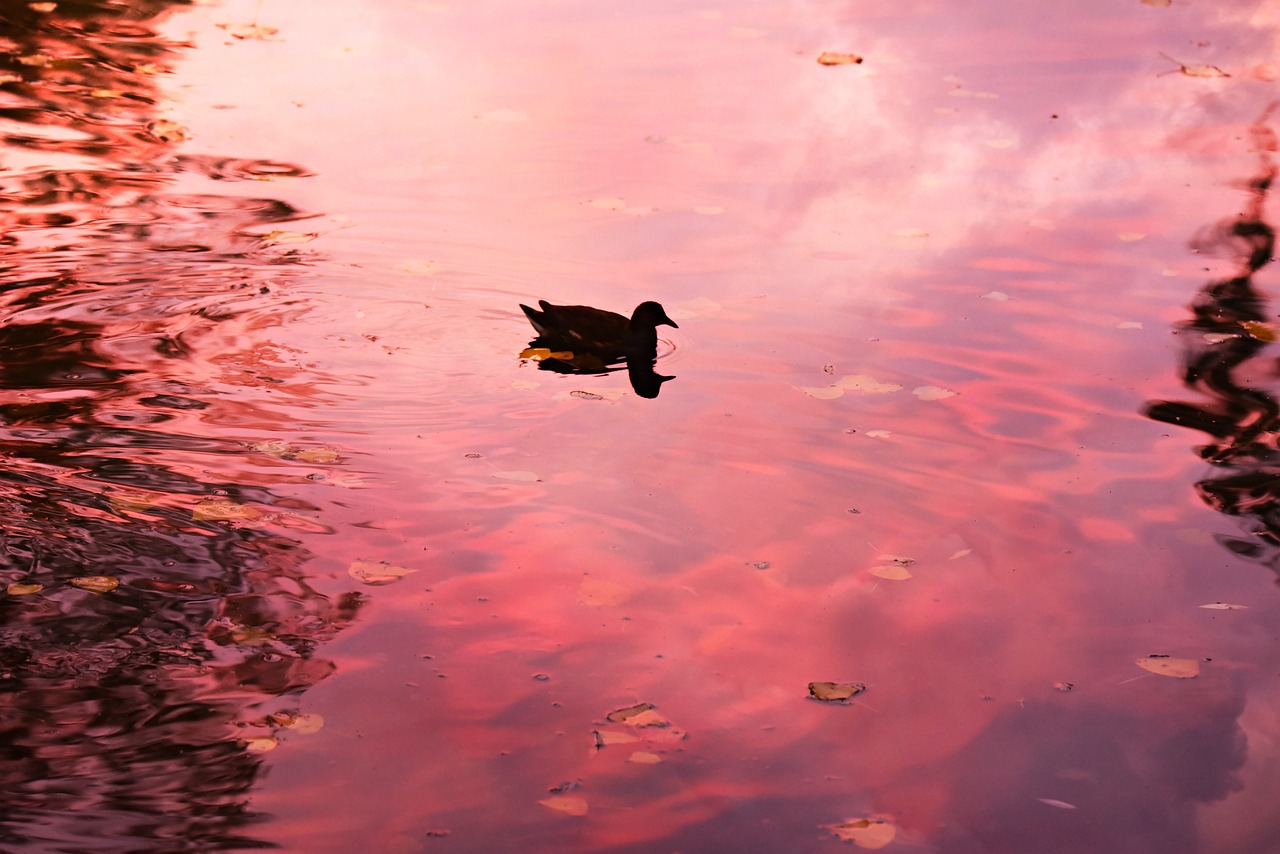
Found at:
[1228, 335]
[155, 606]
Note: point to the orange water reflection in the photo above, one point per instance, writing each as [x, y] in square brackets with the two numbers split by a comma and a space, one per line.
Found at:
[922, 301]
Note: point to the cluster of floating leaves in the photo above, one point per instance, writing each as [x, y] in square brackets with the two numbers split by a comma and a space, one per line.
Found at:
[864, 384]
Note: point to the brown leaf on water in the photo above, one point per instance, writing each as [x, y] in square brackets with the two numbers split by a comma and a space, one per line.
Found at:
[832, 692]
[565, 804]
[639, 715]
[1157, 2]
[1195, 70]
[871, 833]
[221, 510]
[317, 455]
[167, 130]
[832, 58]
[96, 583]
[539, 354]
[890, 572]
[644, 757]
[1176, 668]
[20, 589]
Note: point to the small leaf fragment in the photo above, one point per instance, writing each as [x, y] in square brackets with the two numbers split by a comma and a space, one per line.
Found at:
[644, 757]
[933, 392]
[1223, 606]
[639, 715]
[1176, 668]
[96, 583]
[1054, 802]
[1263, 332]
[867, 385]
[835, 691]
[829, 392]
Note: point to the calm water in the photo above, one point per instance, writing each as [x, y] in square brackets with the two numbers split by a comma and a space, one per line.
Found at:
[973, 410]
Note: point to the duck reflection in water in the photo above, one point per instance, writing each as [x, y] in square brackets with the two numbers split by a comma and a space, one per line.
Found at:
[579, 339]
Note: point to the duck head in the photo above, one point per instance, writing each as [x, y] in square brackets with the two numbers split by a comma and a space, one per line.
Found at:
[650, 314]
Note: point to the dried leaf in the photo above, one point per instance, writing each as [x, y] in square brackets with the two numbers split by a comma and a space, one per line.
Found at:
[167, 130]
[305, 724]
[1054, 802]
[259, 744]
[835, 691]
[522, 476]
[892, 572]
[832, 58]
[568, 805]
[867, 385]
[1264, 332]
[221, 510]
[933, 392]
[871, 833]
[96, 583]
[1196, 70]
[644, 757]
[20, 589]
[639, 715]
[1223, 606]
[377, 573]
[317, 455]
[1176, 668]
[539, 354]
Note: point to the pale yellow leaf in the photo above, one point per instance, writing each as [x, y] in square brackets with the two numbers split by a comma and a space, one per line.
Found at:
[221, 510]
[1177, 668]
[259, 744]
[835, 691]
[867, 385]
[19, 589]
[377, 573]
[933, 392]
[892, 572]
[644, 757]
[1223, 606]
[870, 833]
[565, 804]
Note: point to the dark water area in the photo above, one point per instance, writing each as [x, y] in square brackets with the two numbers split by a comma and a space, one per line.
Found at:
[944, 516]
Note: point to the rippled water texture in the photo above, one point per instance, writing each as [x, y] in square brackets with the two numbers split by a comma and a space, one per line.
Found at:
[969, 411]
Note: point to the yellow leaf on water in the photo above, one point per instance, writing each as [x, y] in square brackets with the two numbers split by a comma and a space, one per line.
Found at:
[96, 583]
[892, 572]
[1176, 668]
[564, 804]
[377, 573]
[1264, 332]
[20, 589]
[306, 724]
[871, 833]
[608, 736]
[539, 354]
[832, 58]
[259, 744]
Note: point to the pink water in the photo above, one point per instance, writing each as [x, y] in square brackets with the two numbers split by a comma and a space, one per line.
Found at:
[381, 585]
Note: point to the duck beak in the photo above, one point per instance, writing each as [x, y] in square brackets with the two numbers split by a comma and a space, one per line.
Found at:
[669, 322]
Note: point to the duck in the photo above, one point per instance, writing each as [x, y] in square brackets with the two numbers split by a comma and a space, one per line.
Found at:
[584, 330]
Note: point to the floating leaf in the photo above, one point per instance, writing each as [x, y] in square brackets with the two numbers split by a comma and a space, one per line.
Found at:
[960, 554]
[1129, 324]
[1054, 802]
[539, 354]
[829, 392]
[132, 500]
[996, 296]
[381, 572]
[1196, 70]
[832, 58]
[867, 385]
[1223, 606]
[568, 805]
[167, 130]
[835, 691]
[221, 510]
[259, 744]
[1177, 668]
[305, 724]
[96, 583]
[1157, 2]
[317, 455]
[19, 589]
[1264, 332]
[522, 476]
[869, 833]
[644, 757]
[933, 392]
[878, 434]
[606, 737]
[892, 572]
[639, 715]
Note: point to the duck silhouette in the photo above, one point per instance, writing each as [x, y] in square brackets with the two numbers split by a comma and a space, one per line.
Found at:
[584, 339]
